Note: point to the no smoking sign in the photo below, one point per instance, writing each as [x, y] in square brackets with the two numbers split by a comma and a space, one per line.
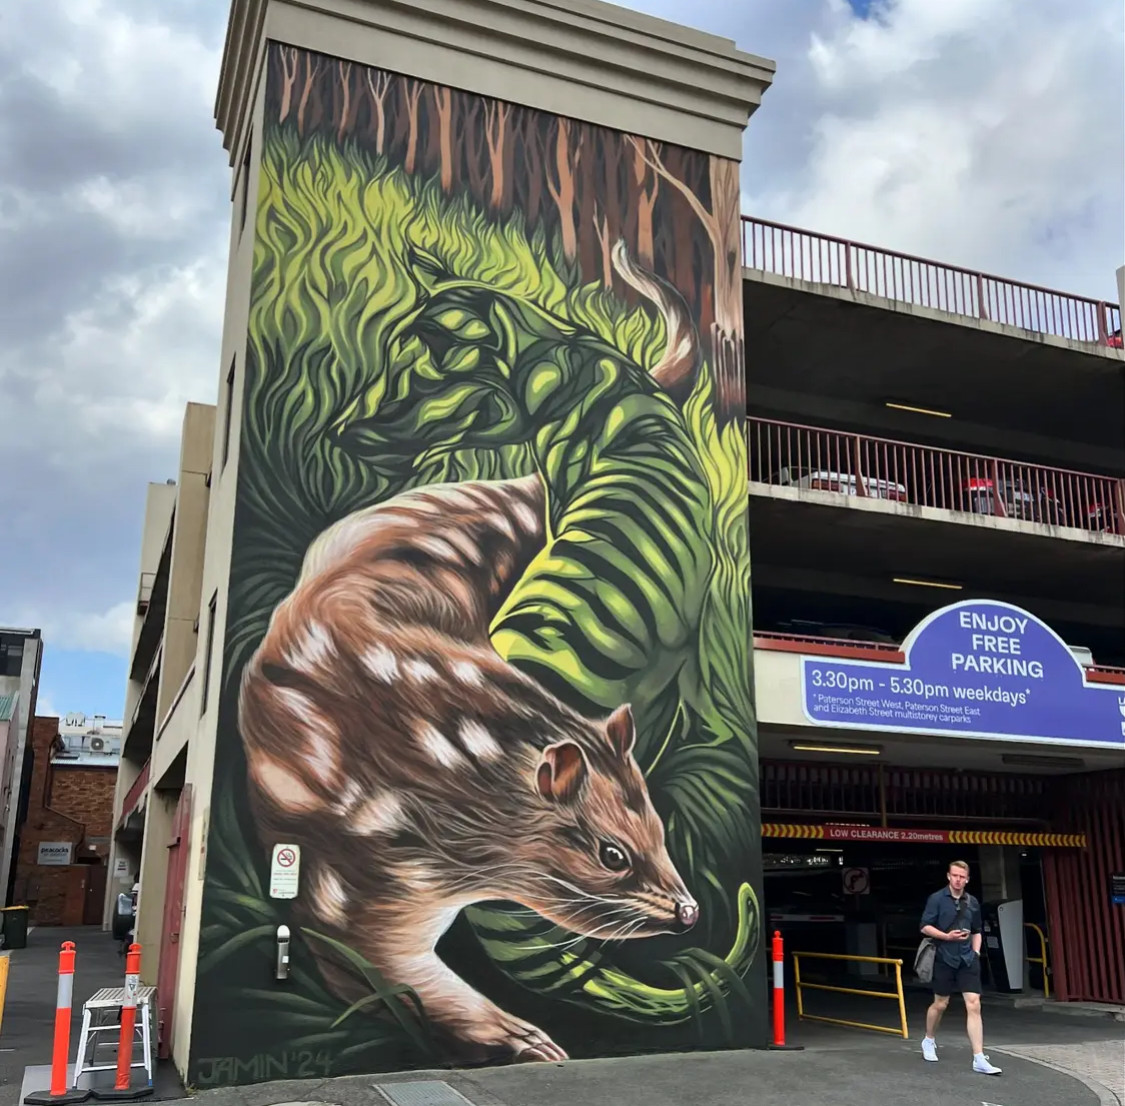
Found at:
[857, 881]
[285, 867]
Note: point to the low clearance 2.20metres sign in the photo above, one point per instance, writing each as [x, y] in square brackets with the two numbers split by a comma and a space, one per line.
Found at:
[973, 669]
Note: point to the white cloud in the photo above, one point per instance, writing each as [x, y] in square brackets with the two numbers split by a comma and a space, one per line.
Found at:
[110, 631]
[106, 631]
[114, 217]
[984, 133]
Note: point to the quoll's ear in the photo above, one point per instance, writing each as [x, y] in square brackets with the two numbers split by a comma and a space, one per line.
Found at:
[561, 772]
[621, 731]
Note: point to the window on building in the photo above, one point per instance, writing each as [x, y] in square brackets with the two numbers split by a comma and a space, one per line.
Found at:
[208, 648]
[244, 188]
[228, 410]
[11, 655]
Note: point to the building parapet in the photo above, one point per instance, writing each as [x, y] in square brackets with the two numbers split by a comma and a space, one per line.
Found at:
[826, 260]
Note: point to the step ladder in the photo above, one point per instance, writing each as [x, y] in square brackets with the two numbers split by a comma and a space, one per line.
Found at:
[101, 1015]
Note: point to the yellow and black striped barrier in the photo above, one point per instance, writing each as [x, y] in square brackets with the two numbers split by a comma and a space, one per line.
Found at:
[1003, 837]
[913, 836]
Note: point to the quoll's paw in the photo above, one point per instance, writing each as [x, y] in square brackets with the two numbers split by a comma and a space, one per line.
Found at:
[505, 1036]
[539, 1050]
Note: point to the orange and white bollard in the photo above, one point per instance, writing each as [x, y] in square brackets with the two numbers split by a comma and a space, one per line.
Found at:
[59, 1091]
[125, 1040]
[778, 957]
[778, 990]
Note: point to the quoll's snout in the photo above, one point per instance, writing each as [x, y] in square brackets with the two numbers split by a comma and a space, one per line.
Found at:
[687, 914]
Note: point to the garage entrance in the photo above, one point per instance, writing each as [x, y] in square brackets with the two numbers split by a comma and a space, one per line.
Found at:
[848, 871]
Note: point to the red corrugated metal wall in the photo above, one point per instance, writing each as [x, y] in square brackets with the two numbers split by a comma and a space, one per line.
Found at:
[1087, 930]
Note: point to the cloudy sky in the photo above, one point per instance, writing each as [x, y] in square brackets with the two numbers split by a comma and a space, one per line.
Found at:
[988, 133]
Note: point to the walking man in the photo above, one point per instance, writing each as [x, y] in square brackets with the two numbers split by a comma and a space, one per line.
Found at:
[952, 918]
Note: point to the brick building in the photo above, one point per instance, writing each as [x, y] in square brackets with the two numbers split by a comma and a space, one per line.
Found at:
[64, 839]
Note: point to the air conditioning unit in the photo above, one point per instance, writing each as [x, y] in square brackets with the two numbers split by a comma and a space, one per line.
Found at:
[98, 744]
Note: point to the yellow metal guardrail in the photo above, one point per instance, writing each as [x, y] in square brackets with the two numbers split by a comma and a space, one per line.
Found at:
[897, 993]
[1041, 959]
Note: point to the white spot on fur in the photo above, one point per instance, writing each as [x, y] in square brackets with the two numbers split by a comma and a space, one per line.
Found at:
[438, 548]
[352, 793]
[420, 670]
[439, 747]
[318, 750]
[526, 517]
[424, 506]
[381, 813]
[330, 900]
[467, 673]
[418, 874]
[280, 785]
[320, 755]
[498, 522]
[381, 663]
[478, 741]
[474, 496]
[312, 648]
[464, 545]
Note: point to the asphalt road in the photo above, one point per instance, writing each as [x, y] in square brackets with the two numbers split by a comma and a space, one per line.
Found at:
[29, 1010]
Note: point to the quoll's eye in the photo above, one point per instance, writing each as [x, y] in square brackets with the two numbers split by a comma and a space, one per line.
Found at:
[613, 857]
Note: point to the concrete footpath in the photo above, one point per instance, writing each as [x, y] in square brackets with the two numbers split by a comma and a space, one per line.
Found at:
[1048, 1060]
[892, 1075]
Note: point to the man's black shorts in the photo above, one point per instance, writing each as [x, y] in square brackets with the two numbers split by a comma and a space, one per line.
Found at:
[964, 979]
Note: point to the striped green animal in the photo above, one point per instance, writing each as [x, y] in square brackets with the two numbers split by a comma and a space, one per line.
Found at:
[609, 610]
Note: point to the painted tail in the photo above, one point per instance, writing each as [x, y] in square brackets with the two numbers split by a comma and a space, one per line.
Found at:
[679, 364]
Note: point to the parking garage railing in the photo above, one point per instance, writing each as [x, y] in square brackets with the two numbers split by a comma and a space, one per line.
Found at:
[824, 259]
[817, 459]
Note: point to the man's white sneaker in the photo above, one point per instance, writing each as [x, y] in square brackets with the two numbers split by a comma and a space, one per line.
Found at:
[981, 1063]
[929, 1050]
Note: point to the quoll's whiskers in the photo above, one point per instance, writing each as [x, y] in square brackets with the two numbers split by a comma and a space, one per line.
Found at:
[584, 894]
[630, 929]
[627, 924]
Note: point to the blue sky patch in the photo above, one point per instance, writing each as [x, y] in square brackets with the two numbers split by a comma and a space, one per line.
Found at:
[76, 679]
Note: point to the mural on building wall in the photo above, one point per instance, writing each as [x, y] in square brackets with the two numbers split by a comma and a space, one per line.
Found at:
[487, 653]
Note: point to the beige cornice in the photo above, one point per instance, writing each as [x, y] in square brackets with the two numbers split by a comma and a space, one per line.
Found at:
[581, 58]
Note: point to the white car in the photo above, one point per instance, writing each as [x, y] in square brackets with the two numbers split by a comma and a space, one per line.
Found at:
[845, 483]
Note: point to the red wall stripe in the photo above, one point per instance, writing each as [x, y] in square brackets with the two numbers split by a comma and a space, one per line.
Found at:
[1088, 932]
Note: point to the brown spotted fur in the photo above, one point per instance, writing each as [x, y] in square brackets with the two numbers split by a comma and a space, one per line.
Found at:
[384, 643]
